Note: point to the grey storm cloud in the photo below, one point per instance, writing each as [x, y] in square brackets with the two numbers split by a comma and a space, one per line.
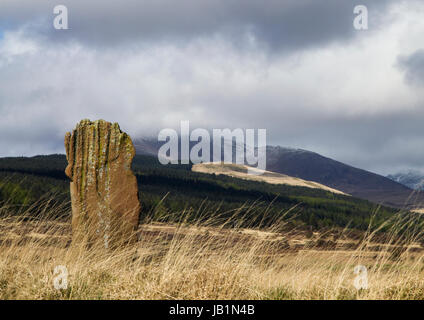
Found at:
[325, 87]
[371, 144]
[272, 24]
[413, 65]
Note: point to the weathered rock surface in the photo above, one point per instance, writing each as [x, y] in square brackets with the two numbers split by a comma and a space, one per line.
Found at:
[104, 193]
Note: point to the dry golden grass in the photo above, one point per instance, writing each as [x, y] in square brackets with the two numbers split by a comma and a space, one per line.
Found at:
[205, 261]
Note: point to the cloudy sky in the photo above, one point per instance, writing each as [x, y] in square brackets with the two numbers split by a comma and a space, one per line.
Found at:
[297, 68]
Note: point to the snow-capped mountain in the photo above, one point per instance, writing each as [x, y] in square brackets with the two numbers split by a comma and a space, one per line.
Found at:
[412, 179]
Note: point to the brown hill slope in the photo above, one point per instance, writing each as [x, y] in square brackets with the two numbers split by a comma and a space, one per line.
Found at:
[240, 171]
[356, 182]
[312, 166]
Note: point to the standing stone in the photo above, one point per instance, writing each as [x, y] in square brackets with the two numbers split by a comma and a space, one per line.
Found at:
[104, 193]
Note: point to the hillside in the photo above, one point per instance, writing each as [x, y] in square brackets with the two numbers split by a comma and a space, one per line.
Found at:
[357, 182]
[241, 172]
[169, 191]
[312, 166]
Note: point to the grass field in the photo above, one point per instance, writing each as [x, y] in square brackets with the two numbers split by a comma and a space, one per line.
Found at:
[205, 261]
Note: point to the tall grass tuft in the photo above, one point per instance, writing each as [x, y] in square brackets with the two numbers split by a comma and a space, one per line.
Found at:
[209, 258]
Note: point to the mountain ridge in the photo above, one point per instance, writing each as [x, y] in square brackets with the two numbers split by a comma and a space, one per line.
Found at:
[311, 166]
[412, 179]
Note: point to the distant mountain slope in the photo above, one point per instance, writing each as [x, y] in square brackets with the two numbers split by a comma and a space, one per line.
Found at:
[147, 146]
[411, 179]
[357, 182]
[312, 166]
[240, 171]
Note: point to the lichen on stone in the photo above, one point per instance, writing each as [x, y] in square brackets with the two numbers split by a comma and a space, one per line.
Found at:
[104, 190]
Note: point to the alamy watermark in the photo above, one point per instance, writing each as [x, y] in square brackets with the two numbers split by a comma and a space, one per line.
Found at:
[60, 21]
[225, 144]
[361, 280]
[60, 281]
[360, 22]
